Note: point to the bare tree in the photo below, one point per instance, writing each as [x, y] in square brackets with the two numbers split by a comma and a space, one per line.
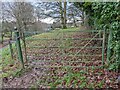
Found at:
[6, 30]
[74, 12]
[65, 19]
[56, 10]
[61, 14]
[23, 14]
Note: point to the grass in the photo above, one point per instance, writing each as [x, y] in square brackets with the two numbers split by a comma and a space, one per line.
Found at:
[54, 34]
[9, 66]
[71, 80]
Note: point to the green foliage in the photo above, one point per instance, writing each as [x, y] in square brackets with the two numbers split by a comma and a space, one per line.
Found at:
[105, 16]
[71, 79]
[6, 57]
[75, 79]
[8, 64]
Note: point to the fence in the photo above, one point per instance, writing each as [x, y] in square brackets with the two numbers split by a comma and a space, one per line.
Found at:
[63, 41]
[64, 51]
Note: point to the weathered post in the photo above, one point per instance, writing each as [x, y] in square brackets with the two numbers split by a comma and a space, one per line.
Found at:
[108, 46]
[2, 36]
[20, 56]
[24, 44]
[103, 47]
[11, 50]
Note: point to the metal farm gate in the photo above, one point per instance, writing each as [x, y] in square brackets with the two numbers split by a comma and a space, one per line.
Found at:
[61, 57]
[75, 48]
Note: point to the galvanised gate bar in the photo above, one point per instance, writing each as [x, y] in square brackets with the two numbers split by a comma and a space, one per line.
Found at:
[60, 56]
[69, 48]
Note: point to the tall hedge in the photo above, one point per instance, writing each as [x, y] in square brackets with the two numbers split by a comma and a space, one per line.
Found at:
[105, 16]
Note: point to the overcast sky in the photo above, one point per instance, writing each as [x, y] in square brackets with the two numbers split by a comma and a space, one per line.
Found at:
[47, 20]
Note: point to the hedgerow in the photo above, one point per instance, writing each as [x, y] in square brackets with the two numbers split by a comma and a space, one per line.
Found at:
[105, 16]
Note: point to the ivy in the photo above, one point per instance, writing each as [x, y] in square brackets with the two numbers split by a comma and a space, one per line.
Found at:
[106, 16]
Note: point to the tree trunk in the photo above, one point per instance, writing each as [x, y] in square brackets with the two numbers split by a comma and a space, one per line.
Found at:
[65, 19]
[24, 42]
[61, 13]
[2, 36]
[83, 17]
[75, 25]
[11, 34]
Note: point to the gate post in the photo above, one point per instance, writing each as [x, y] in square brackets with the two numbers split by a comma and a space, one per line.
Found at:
[11, 50]
[103, 47]
[20, 56]
[108, 46]
[24, 44]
